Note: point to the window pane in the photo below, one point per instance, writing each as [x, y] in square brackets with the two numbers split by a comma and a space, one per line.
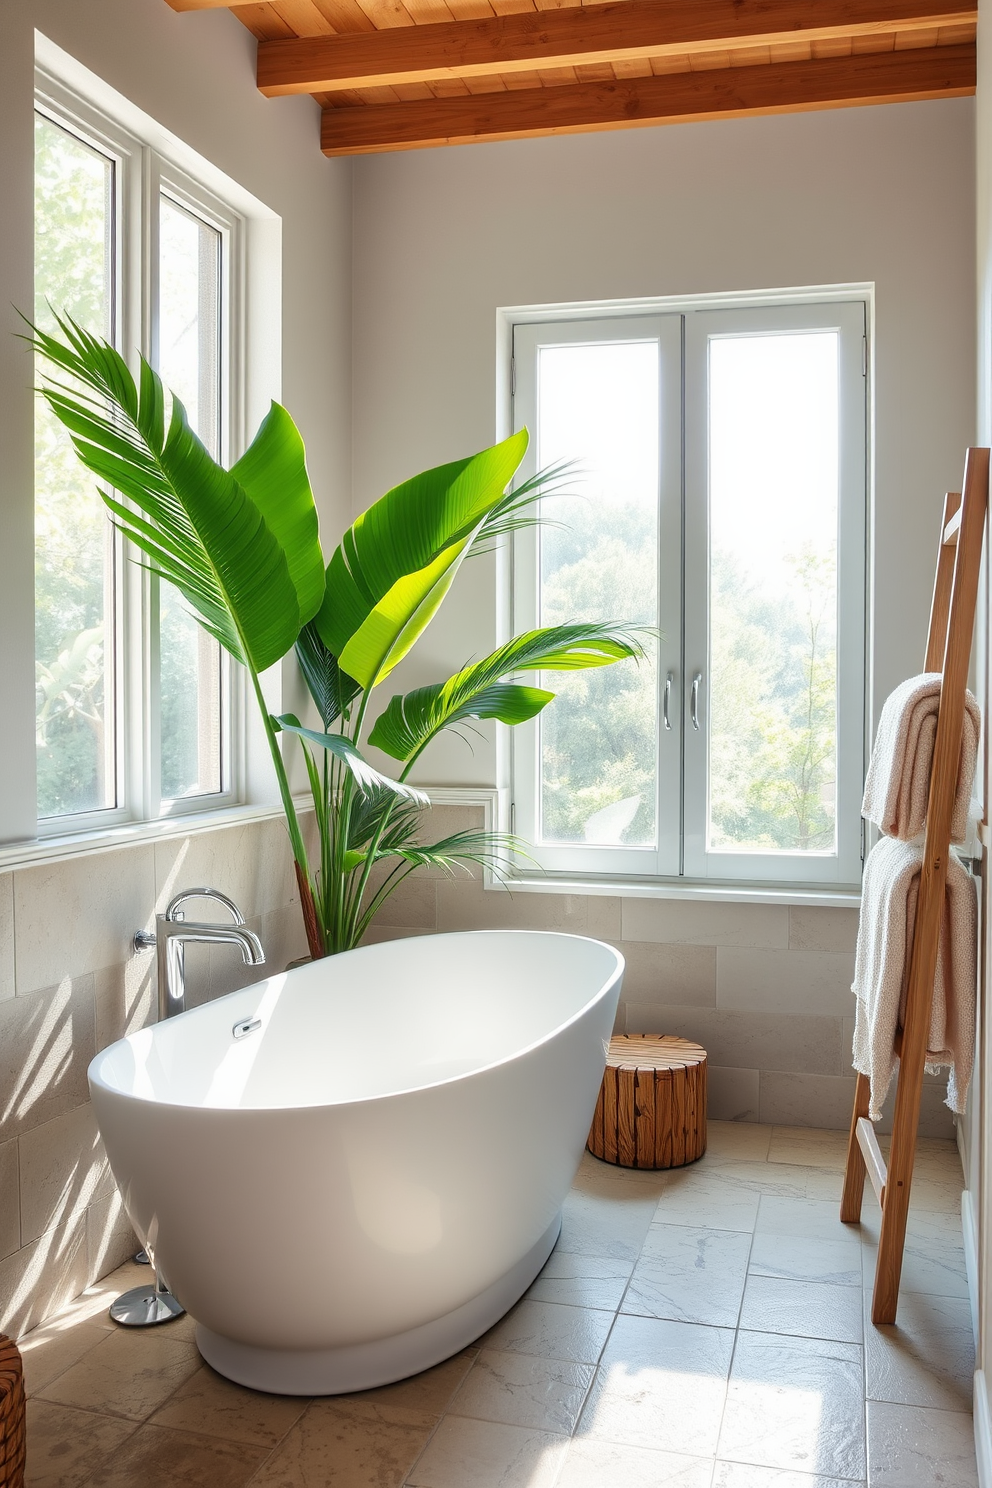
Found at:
[189, 361]
[598, 404]
[74, 543]
[773, 453]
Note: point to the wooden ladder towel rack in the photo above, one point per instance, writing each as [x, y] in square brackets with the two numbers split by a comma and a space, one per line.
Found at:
[952, 623]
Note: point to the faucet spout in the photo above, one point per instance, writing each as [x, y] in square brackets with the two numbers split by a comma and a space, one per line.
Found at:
[173, 932]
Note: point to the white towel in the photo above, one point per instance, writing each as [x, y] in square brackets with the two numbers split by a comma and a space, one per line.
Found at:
[898, 780]
[881, 970]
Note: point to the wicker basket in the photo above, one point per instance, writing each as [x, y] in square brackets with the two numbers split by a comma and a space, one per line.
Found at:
[12, 1449]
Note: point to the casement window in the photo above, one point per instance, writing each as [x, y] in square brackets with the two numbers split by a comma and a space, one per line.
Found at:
[136, 707]
[719, 500]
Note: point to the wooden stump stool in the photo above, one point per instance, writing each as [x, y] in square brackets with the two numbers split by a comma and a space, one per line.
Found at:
[11, 1416]
[651, 1111]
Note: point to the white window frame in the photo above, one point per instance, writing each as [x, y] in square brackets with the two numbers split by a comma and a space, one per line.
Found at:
[680, 860]
[142, 172]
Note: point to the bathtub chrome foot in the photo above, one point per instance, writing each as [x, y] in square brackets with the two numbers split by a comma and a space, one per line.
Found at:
[143, 1307]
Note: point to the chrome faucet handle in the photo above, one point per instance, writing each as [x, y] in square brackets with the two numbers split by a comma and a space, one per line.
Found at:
[174, 911]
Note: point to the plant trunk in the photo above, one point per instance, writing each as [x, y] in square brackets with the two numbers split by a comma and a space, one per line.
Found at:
[315, 939]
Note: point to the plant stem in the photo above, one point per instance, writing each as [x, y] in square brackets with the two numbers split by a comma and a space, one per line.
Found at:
[315, 939]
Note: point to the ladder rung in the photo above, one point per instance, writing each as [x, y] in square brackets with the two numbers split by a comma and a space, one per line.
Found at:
[874, 1161]
[952, 529]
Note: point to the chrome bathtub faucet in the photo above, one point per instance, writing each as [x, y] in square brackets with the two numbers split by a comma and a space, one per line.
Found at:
[144, 1306]
[173, 931]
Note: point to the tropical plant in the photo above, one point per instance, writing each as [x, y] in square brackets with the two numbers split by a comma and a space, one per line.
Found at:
[241, 546]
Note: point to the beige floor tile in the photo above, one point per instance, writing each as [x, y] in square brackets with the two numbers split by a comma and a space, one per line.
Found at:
[927, 1357]
[933, 1256]
[422, 1395]
[211, 1405]
[692, 1275]
[336, 1445]
[743, 1475]
[796, 1403]
[804, 1309]
[550, 1330]
[710, 1199]
[661, 1385]
[912, 1447]
[130, 1374]
[596, 1464]
[801, 1258]
[519, 1390]
[736, 1140]
[582, 1281]
[156, 1457]
[808, 1146]
[785, 1179]
[824, 1183]
[814, 1219]
[611, 1221]
[66, 1445]
[483, 1454]
[50, 1350]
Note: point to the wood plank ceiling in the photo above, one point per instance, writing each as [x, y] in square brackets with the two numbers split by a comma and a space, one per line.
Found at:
[402, 74]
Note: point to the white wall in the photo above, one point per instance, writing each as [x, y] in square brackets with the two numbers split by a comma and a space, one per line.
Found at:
[69, 983]
[444, 237]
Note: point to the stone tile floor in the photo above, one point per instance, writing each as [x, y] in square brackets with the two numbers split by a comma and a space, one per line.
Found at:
[703, 1328]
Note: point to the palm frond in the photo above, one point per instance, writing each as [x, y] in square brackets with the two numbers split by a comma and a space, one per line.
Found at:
[409, 723]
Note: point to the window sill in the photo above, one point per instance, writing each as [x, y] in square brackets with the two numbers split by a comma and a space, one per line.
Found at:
[134, 834]
[840, 898]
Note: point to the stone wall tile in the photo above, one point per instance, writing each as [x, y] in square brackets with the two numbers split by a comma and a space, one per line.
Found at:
[10, 1203]
[731, 1094]
[465, 905]
[6, 935]
[679, 975]
[110, 1240]
[72, 915]
[822, 928]
[46, 1043]
[43, 1277]
[63, 1169]
[785, 982]
[251, 863]
[700, 922]
[736, 1040]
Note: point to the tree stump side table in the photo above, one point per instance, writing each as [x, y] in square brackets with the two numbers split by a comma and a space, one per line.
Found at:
[651, 1111]
[12, 1449]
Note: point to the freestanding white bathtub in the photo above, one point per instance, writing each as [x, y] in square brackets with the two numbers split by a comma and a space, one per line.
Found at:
[370, 1179]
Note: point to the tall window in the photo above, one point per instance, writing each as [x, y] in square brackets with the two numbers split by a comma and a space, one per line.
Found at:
[719, 500]
[134, 710]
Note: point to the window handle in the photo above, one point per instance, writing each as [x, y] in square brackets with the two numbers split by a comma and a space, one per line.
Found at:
[694, 700]
[666, 701]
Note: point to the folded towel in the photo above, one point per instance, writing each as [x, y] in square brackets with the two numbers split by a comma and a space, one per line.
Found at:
[898, 780]
[881, 970]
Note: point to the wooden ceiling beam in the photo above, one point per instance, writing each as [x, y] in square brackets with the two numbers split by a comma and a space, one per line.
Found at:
[203, 4]
[787, 87]
[616, 31]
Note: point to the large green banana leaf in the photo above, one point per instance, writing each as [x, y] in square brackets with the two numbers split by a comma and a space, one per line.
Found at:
[478, 691]
[331, 688]
[251, 583]
[398, 560]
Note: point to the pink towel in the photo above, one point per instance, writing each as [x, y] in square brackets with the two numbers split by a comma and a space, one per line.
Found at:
[881, 970]
[898, 780]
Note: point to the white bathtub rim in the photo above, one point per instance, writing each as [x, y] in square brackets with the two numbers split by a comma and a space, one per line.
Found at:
[94, 1076]
[383, 1361]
